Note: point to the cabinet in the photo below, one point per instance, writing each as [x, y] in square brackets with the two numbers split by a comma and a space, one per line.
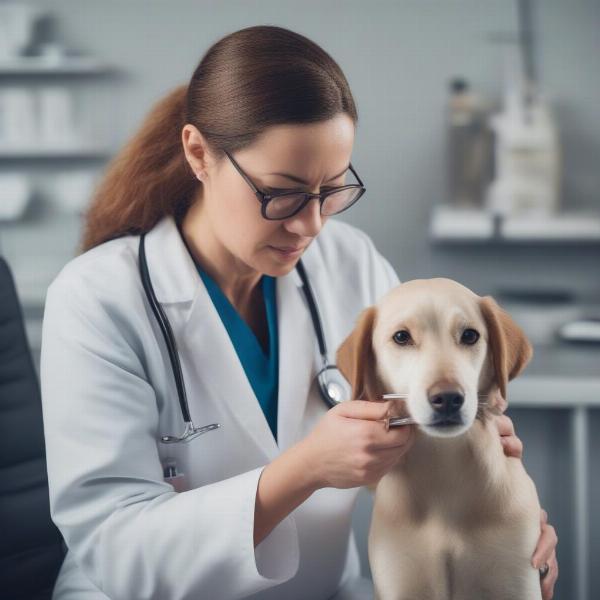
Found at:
[56, 179]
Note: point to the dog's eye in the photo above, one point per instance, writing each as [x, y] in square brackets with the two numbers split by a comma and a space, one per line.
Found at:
[402, 337]
[469, 336]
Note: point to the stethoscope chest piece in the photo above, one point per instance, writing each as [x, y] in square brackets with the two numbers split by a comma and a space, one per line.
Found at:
[334, 387]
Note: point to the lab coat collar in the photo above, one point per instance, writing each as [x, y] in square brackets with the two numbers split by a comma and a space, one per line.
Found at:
[204, 339]
[172, 270]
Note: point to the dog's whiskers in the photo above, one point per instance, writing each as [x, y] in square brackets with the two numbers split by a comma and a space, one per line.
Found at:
[401, 421]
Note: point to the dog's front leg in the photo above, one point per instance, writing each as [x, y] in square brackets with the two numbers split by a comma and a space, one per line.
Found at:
[406, 563]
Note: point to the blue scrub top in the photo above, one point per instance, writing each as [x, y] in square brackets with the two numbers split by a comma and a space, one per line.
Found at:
[261, 369]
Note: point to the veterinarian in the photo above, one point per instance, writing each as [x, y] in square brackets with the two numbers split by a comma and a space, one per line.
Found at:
[260, 504]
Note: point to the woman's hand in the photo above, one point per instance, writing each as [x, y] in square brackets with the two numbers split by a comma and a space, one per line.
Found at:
[350, 447]
[512, 445]
[545, 551]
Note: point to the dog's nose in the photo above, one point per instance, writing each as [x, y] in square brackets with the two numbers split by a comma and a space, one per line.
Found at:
[446, 404]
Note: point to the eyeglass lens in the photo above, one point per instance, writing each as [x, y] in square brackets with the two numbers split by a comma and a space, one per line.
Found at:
[285, 205]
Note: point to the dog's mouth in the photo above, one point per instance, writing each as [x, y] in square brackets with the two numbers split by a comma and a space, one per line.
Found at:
[447, 422]
[445, 426]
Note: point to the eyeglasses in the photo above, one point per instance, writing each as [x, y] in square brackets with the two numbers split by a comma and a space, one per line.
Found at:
[282, 205]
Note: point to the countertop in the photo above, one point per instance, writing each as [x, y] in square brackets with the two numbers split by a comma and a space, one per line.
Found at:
[560, 375]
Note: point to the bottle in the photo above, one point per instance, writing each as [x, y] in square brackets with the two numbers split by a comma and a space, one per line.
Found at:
[527, 152]
[469, 146]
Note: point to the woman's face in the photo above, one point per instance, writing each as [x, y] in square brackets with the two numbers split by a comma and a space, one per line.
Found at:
[317, 153]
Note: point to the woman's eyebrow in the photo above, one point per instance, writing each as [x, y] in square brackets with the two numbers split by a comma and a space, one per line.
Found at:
[302, 181]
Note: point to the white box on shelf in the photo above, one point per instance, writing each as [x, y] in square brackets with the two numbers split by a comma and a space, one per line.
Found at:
[560, 226]
[72, 190]
[461, 223]
[15, 194]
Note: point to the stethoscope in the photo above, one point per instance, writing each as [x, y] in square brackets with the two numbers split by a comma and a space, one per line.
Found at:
[334, 388]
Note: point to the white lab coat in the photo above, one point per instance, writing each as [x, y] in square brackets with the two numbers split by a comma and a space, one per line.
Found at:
[108, 395]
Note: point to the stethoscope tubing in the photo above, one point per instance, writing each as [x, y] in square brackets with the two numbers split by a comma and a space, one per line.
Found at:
[166, 330]
[314, 310]
[190, 430]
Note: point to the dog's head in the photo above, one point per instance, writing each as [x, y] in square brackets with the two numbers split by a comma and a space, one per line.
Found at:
[444, 346]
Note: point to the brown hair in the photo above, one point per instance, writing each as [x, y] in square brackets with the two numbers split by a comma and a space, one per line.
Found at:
[247, 81]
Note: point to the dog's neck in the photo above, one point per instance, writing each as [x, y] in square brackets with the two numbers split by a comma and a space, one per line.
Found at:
[437, 470]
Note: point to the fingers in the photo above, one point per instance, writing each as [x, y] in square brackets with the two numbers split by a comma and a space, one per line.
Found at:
[549, 580]
[510, 442]
[545, 547]
[545, 552]
[501, 403]
[372, 412]
[512, 445]
[505, 425]
[393, 438]
[365, 409]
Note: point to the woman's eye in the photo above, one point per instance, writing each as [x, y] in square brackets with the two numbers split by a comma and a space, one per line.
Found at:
[469, 336]
[402, 337]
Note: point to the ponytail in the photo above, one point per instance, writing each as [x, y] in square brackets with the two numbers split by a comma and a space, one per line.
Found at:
[147, 180]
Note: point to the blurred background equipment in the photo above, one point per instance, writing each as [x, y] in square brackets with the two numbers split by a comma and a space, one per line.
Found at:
[527, 152]
[470, 145]
[15, 193]
[17, 21]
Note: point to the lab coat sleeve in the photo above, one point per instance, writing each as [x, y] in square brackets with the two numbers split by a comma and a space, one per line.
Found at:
[131, 534]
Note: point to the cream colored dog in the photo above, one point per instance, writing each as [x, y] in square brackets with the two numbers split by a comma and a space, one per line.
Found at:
[455, 519]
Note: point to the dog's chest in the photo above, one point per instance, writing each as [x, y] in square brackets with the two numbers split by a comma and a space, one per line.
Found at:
[445, 485]
[443, 529]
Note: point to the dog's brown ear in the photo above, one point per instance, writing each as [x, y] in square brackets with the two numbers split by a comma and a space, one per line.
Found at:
[356, 360]
[510, 348]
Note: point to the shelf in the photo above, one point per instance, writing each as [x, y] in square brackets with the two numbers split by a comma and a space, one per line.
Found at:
[25, 152]
[548, 391]
[563, 227]
[70, 65]
[462, 225]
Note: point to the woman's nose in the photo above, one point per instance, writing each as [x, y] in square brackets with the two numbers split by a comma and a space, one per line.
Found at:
[308, 221]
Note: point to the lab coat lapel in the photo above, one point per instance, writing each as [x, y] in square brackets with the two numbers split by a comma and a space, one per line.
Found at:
[219, 371]
[297, 356]
[209, 360]
[210, 345]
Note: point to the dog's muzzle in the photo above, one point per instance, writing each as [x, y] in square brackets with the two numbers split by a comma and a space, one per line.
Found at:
[446, 407]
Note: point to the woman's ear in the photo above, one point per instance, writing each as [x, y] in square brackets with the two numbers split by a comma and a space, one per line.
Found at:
[356, 360]
[509, 347]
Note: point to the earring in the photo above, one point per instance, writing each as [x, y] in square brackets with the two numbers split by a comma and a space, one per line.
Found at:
[200, 176]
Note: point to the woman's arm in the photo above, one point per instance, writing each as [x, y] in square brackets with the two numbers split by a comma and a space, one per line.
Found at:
[285, 483]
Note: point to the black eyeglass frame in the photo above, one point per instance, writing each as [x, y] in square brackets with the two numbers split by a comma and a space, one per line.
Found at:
[264, 199]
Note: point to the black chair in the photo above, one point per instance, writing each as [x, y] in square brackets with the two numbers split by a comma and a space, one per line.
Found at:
[31, 547]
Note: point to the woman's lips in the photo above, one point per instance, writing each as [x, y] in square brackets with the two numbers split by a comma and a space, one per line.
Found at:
[288, 250]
